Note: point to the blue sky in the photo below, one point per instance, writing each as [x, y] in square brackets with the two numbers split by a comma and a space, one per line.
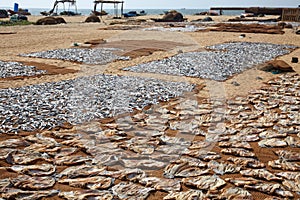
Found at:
[160, 3]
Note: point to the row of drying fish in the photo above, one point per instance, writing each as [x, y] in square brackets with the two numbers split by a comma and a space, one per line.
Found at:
[14, 69]
[48, 105]
[98, 56]
[223, 62]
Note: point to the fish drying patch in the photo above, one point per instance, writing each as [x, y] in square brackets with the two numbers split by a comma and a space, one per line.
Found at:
[99, 56]
[80, 100]
[14, 69]
[223, 62]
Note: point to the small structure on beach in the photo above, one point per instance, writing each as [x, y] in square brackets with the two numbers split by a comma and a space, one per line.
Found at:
[291, 14]
[71, 3]
[115, 4]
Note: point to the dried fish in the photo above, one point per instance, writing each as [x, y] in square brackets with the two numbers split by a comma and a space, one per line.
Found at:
[288, 155]
[188, 195]
[223, 168]
[293, 141]
[260, 173]
[205, 182]
[13, 143]
[271, 188]
[4, 152]
[200, 144]
[284, 165]
[71, 160]
[34, 183]
[34, 170]
[288, 175]
[28, 195]
[144, 163]
[235, 193]
[238, 152]
[292, 185]
[202, 154]
[25, 157]
[131, 174]
[183, 169]
[86, 194]
[82, 171]
[161, 184]
[235, 144]
[246, 162]
[4, 185]
[243, 181]
[131, 191]
[273, 142]
[272, 134]
[95, 182]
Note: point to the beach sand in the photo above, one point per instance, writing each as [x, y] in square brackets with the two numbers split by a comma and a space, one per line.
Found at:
[158, 45]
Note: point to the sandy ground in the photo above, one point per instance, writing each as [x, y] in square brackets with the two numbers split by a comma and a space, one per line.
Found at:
[33, 38]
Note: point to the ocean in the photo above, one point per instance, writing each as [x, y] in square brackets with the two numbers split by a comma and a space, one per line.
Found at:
[36, 11]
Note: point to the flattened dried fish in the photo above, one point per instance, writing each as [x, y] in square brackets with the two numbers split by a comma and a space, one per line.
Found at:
[288, 175]
[39, 138]
[246, 162]
[144, 163]
[28, 195]
[4, 185]
[260, 173]
[292, 185]
[95, 182]
[35, 183]
[223, 168]
[202, 154]
[271, 188]
[161, 184]
[200, 144]
[272, 134]
[293, 141]
[183, 169]
[107, 160]
[288, 155]
[72, 160]
[285, 165]
[235, 144]
[14, 143]
[205, 182]
[238, 152]
[86, 194]
[243, 181]
[131, 191]
[34, 170]
[273, 142]
[82, 171]
[235, 193]
[4, 152]
[131, 174]
[188, 195]
[25, 157]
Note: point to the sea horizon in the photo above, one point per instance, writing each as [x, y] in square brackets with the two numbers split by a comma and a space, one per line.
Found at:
[159, 11]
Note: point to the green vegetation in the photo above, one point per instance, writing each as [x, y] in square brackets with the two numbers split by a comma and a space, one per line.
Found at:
[15, 23]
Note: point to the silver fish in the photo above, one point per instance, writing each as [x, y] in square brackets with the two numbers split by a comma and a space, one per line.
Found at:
[86, 194]
[82, 171]
[28, 195]
[243, 181]
[188, 195]
[235, 193]
[271, 188]
[284, 165]
[94, 182]
[235, 144]
[288, 155]
[35, 183]
[131, 191]
[14, 143]
[246, 162]
[260, 173]
[223, 168]
[273, 142]
[72, 160]
[238, 152]
[34, 170]
[161, 184]
[205, 182]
